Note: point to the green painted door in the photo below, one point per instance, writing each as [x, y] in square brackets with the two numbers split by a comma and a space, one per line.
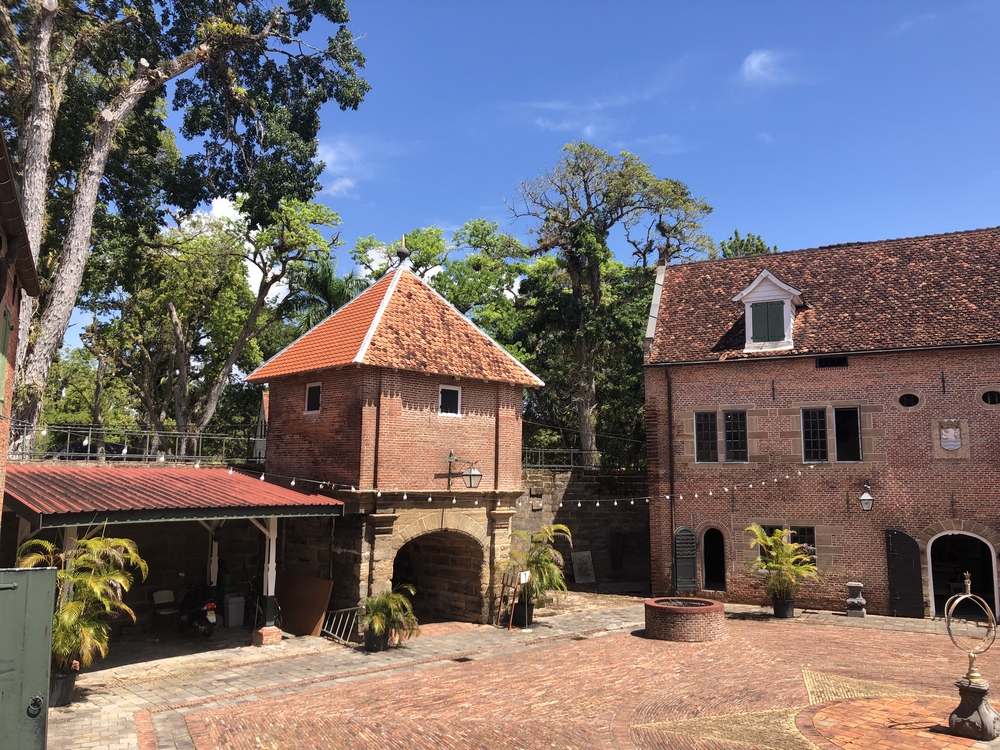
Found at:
[26, 602]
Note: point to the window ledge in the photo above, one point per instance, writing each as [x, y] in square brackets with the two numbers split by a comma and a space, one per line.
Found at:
[768, 346]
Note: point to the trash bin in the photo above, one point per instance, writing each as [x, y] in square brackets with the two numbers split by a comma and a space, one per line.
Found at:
[232, 610]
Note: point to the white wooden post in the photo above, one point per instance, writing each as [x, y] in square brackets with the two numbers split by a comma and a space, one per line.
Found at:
[272, 548]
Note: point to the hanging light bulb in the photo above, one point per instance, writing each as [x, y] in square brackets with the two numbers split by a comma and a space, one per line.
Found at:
[647, 501]
[230, 470]
[710, 493]
[164, 458]
[680, 497]
[696, 496]
[579, 504]
[498, 502]
[668, 497]
[197, 465]
[428, 498]
[477, 501]
[404, 495]
[631, 502]
[44, 432]
[453, 501]
[725, 489]
[293, 481]
[598, 503]
[751, 485]
[378, 494]
[616, 503]
[776, 479]
[85, 441]
[560, 503]
[800, 473]
[262, 477]
[786, 476]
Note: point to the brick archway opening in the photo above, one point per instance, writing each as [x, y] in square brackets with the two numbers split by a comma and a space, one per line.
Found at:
[951, 554]
[446, 569]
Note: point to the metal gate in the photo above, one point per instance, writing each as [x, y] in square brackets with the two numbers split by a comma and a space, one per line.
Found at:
[26, 601]
[685, 560]
[906, 588]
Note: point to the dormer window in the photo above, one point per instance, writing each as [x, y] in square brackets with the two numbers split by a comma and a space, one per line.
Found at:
[769, 305]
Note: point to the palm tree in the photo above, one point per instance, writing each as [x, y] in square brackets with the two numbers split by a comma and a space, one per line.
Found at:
[92, 579]
[785, 564]
[539, 557]
[320, 292]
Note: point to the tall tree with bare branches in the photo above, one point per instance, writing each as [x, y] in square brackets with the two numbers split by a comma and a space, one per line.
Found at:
[249, 86]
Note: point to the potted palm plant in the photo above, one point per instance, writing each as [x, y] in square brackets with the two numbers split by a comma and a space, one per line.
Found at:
[785, 565]
[389, 614]
[537, 555]
[91, 579]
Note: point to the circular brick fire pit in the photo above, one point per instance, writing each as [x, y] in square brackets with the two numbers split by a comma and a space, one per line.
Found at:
[684, 618]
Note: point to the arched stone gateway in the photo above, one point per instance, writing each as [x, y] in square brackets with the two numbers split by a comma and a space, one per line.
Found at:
[447, 569]
[447, 554]
[949, 549]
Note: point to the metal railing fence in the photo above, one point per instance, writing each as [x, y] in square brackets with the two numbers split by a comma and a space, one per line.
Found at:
[341, 625]
[99, 443]
[632, 458]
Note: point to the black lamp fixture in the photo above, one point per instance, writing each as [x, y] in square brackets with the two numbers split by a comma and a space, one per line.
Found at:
[471, 476]
[866, 499]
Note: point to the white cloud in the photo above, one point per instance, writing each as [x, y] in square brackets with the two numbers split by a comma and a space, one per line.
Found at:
[661, 143]
[342, 186]
[766, 138]
[223, 208]
[907, 24]
[764, 66]
[583, 127]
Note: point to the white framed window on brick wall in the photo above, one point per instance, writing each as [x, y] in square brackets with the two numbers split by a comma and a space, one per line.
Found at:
[313, 392]
[450, 401]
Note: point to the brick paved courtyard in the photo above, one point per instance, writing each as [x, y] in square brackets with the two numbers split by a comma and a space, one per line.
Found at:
[584, 680]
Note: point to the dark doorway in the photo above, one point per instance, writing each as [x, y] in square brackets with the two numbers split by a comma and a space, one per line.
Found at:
[446, 569]
[952, 555]
[714, 546]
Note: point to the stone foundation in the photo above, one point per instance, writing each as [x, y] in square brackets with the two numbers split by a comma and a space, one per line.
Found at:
[266, 636]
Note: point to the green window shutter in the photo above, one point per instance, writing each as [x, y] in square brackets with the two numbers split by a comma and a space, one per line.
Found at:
[4, 346]
[775, 321]
[768, 321]
[758, 312]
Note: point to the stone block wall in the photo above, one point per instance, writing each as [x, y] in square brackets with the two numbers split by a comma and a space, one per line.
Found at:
[616, 535]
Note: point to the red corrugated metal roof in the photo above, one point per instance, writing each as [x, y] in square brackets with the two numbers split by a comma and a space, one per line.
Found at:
[46, 490]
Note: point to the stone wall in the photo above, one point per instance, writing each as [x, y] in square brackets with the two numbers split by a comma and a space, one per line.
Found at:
[447, 569]
[617, 536]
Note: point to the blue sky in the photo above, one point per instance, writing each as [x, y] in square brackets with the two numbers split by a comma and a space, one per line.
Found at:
[807, 124]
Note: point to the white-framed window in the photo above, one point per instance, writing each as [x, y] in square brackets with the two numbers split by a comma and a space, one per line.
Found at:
[313, 392]
[450, 401]
[769, 308]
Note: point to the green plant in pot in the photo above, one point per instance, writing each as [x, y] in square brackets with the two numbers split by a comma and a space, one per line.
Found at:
[389, 614]
[91, 579]
[785, 564]
[536, 554]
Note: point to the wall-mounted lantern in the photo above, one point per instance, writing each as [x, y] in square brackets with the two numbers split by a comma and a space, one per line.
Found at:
[471, 477]
[866, 499]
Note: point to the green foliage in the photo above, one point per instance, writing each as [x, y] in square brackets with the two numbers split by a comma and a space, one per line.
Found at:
[740, 247]
[575, 206]
[319, 292]
[785, 564]
[427, 247]
[536, 554]
[80, 391]
[91, 579]
[391, 612]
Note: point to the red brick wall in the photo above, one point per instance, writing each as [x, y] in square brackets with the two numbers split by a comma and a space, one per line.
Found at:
[339, 443]
[912, 489]
[324, 446]
[414, 439]
[12, 303]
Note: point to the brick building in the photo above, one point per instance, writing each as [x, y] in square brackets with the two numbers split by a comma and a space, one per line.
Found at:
[780, 388]
[17, 272]
[370, 405]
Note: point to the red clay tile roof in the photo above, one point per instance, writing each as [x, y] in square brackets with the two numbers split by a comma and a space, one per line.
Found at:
[165, 492]
[401, 323]
[939, 290]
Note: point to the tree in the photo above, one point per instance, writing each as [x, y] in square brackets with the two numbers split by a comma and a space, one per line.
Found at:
[576, 205]
[189, 319]
[427, 247]
[75, 73]
[741, 247]
[320, 292]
